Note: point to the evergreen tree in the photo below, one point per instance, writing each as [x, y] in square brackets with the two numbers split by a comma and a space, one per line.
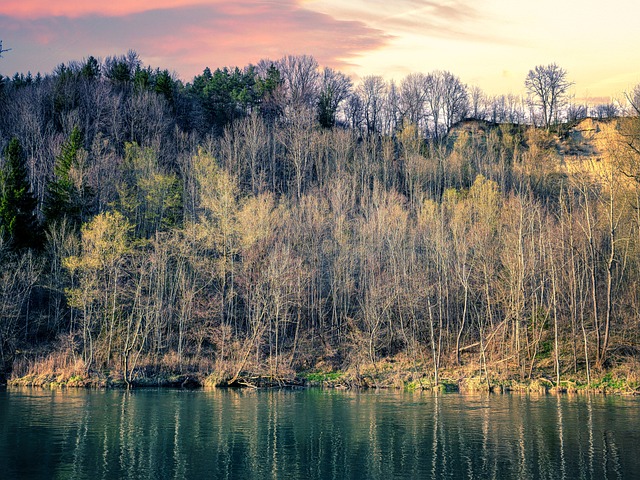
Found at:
[18, 222]
[165, 86]
[326, 114]
[67, 195]
[90, 69]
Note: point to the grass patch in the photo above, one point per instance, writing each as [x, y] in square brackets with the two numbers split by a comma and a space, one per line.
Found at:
[318, 377]
[610, 382]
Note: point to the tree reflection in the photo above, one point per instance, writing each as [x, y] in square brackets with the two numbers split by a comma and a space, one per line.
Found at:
[316, 434]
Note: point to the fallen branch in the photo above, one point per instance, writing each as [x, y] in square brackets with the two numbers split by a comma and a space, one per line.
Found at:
[469, 347]
[488, 340]
[246, 384]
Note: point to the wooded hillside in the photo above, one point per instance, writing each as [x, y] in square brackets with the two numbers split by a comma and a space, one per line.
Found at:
[276, 219]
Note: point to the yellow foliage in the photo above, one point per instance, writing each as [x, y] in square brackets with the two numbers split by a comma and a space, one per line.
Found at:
[104, 244]
[105, 240]
[217, 225]
[256, 219]
[485, 199]
[410, 139]
[218, 193]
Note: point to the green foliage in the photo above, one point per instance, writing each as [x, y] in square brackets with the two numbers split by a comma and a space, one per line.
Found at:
[267, 89]
[229, 94]
[545, 349]
[160, 82]
[326, 112]
[270, 83]
[90, 69]
[66, 95]
[609, 382]
[19, 80]
[121, 69]
[18, 222]
[142, 79]
[68, 196]
[322, 377]
[165, 85]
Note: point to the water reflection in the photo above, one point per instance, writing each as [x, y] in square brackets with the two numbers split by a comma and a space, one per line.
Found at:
[315, 434]
[563, 466]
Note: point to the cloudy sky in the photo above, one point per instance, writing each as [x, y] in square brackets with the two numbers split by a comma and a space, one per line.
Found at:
[491, 44]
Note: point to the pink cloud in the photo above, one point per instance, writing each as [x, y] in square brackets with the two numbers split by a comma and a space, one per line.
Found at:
[75, 9]
[239, 36]
[186, 39]
[33, 9]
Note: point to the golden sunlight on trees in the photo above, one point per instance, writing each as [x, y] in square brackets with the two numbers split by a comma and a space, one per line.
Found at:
[96, 277]
[148, 195]
[262, 222]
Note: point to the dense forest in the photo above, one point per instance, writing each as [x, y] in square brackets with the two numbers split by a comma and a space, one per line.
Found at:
[280, 218]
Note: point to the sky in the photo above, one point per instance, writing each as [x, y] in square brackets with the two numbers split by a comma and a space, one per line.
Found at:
[489, 43]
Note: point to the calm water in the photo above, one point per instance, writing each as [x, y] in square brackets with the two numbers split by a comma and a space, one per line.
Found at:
[314, 434]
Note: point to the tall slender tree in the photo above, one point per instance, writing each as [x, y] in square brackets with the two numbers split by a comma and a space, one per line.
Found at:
[548, 86]
[18, 222]
[67, 194]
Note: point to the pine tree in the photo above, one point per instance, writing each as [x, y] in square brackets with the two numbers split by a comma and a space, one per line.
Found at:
[18, 221]
[67, 195]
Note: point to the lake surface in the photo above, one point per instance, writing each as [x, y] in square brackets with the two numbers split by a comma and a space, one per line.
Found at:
[314, 434]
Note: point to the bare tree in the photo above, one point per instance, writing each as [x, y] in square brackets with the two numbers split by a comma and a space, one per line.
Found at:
[477, 100]
[412, 98]
[353, 112]
[335, 87]
[371, 93]
[253, 132]
[19, 275]
[633, 98]
[296, 141]
[605, 110]
[301, 78]
[2, 50]
[548, 86]
[455, 100]
[392, 114]
[433, 87]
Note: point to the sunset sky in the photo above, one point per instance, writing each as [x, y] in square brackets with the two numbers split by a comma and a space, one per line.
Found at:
[491, 44]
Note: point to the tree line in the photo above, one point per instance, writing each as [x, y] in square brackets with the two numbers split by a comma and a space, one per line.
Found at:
[272, 217]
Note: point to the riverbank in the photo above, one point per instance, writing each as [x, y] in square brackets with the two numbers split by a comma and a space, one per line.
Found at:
[623, 379]
[391, 373]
